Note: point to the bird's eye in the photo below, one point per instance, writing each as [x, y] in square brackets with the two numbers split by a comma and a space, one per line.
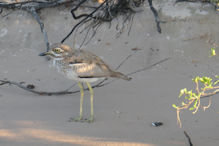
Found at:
[57, 50]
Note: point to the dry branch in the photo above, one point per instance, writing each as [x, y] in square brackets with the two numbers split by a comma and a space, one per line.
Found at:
[157, 20]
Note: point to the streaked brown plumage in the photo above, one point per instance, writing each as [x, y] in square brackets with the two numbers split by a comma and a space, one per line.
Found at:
[82, 66]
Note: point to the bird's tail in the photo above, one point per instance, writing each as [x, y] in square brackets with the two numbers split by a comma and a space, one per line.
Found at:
[120, 75]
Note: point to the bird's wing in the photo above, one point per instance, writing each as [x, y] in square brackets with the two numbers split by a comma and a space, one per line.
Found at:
[88, 65]
[86, 70]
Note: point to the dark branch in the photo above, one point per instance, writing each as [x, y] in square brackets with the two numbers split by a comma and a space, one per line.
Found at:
[3, 82]
[157, 20]
[36, 16]
[189, 139]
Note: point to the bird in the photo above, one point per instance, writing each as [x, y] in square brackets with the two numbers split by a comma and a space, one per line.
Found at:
[81, 66]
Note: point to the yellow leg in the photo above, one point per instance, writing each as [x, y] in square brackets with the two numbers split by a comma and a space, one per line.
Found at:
[80, 118]
[91, 119]
[81, 100]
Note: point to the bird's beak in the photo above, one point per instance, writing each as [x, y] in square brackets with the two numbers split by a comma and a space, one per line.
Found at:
[45, 53]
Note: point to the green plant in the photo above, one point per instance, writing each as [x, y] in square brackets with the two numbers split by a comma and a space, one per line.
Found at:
[213, 52]
[205, 87]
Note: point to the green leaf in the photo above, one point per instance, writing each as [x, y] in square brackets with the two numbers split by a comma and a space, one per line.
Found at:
[196, 79]
[195, 103]
[206, 80]
[213, 52]
[190, 93]
[191, 108]
[173, 105]
[182, 92]
[202, 80]
[183, 103]
[216, 82]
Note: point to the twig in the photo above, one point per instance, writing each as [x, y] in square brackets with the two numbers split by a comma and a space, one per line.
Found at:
[86, 35]
[95, 25]
[34, 91]
[124, 60]
[129, 74]
[146, 68]
[127, 18]
[207, 106]
[101, 83]
[131, 24]
[188, 138]
[83, 20]
[210, 94]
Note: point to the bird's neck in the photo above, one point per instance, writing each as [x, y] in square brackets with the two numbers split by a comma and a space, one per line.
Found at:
[56, 62]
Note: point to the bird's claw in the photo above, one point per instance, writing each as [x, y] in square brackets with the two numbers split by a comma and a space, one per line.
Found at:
[82, 120]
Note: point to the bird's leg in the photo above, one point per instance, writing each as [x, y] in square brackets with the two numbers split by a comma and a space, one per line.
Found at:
[91, 118]
[80, 118]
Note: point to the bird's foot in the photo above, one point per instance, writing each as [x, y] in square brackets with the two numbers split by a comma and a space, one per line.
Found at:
[82, 120]
[77, 119]
[89, 120]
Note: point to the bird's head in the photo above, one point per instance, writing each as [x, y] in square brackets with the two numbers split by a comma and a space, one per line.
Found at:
[57, 51]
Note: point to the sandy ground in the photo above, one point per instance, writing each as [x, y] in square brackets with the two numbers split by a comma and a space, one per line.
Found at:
[123, 110]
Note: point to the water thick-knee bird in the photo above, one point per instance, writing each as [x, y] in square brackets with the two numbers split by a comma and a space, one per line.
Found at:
[81, 66]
